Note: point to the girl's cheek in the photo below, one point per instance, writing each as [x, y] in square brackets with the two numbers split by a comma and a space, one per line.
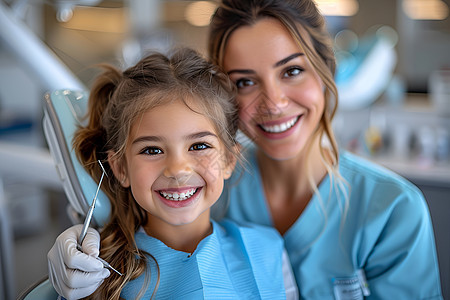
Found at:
[209, 165]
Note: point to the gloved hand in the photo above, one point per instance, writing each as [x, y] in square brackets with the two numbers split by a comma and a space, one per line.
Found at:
[75, 274]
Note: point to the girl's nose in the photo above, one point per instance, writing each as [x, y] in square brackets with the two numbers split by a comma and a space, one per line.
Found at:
[178, 167]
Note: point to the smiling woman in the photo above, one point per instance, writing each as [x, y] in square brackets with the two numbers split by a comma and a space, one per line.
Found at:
[348, 225]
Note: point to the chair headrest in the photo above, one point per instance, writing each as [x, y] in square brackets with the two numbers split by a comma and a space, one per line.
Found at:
[64, 111]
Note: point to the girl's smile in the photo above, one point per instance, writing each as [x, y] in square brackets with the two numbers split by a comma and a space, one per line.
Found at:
[179, 197]
[178, 194]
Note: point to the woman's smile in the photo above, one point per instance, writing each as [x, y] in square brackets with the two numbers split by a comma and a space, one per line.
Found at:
[279, 126]
[279, 129]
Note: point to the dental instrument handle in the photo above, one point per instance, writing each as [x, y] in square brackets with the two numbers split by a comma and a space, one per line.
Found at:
[87, 221]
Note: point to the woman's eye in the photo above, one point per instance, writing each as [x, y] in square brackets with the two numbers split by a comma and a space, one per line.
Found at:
[199, 146]
[292, 72]
[151, 151]
[242, 83]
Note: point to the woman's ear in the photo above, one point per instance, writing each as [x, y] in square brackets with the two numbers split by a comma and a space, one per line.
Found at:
[118, 170]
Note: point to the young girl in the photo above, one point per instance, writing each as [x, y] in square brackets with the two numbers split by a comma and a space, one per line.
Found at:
[165, 129]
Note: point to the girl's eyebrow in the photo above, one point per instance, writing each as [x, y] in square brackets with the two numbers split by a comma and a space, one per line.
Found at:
[200, 134]
[193, 136]
[277, 64]
[147, 138]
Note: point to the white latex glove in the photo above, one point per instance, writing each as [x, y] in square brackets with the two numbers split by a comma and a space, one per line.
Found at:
[75, 274]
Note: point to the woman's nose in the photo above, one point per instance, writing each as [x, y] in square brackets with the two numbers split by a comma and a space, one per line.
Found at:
[272, 99]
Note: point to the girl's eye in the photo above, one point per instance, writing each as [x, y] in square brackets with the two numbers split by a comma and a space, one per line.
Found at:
[292, 72]
[242, 83]
[199, 146]
[151, 151]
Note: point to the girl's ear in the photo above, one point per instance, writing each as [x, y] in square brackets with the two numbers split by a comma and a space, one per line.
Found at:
[118, 170]
[231, 163]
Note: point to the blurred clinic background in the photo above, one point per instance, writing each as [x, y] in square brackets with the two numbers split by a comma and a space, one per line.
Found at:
[393, 77]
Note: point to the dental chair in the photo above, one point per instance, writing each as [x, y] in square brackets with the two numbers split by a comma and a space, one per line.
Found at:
[64, 111]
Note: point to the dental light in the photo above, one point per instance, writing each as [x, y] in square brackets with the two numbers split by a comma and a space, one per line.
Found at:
[64, 8]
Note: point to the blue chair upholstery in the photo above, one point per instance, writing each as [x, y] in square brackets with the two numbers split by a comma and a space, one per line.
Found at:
[64, 111]
[41, 290]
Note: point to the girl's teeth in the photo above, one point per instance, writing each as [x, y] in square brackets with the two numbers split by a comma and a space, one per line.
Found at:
[178, 196]
[280, 127]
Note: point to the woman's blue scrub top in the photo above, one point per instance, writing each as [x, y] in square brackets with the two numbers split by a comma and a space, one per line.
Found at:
[234, 262]
[386, 233]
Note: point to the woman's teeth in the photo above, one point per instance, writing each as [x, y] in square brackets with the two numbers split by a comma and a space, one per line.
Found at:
[280, 127]
[178, 196]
